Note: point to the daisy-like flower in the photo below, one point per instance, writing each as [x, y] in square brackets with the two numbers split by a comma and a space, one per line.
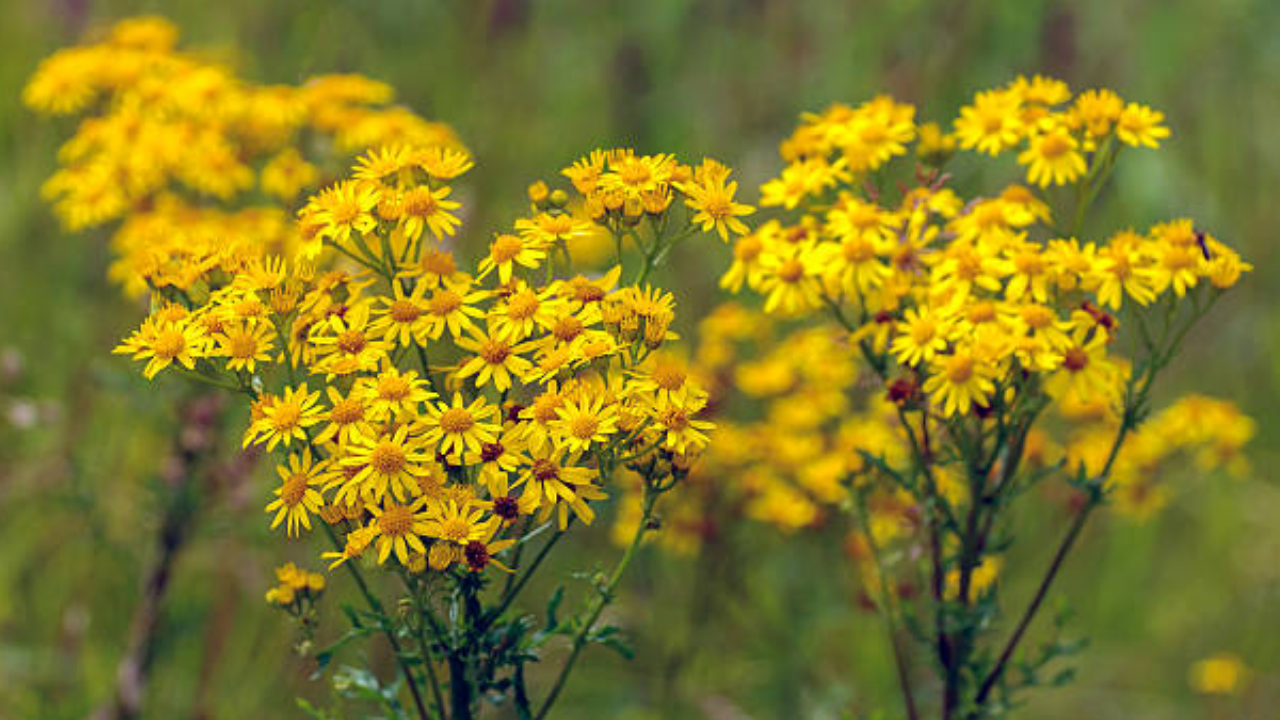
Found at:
[459, 427]
[1086, 372]
[285, 418]
[1141, 126]
[346, 344]
[666, 380]
[506, 252]
[381, 163]
[524, 310]
[402, 319]
[163, 342]
[460, 523]
[1053, 157]
[400, 528]
[245, 345]
[452, 307]
[682, 433]
[584, 421]
[920, 336]
[421, 207]
[442, 163]
[394, 394]
[342, 209]
[348, 417]
[790, 279]
[391, 461]
[499, 459]
[496, 359]
[713, 205]
[554, 481]
[959, 381]
[547, 228]
[991, 125]
[297, 497]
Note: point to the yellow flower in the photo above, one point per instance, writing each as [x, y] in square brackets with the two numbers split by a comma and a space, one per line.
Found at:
[245, 345]
[1140, 126]
[1052, 157]
[496, 359]
[459, 427]
[991, 124]
[399, 528]
[713, 205]
[1220, 674]
[296, 496]
[959, 381]
[584, 421]
[424, 207]
[391, 461]
[285, 418]
[508, 251]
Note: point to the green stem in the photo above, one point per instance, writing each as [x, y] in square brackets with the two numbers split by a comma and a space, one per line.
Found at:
[604, 597]
[376, 607]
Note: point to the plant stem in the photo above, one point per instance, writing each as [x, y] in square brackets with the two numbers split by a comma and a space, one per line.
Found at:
[376, 607]
[604, 597]
[889, 614]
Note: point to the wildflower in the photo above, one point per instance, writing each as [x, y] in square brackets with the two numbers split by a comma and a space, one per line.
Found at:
[245, 345]
[399, 528]
[457, 426]
[296, 497]
[959, 381]
[1140, 126]
[1053, 157]
[285, 418]
[714, 208]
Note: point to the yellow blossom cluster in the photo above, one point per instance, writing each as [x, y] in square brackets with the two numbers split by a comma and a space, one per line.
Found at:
[426, 411]
[198, 164]
[918, 347]
[295, 587]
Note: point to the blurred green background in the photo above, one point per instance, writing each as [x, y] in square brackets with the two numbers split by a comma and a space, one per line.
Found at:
[530, 85]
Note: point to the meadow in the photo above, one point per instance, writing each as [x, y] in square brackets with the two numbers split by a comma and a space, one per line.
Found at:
[760, 623]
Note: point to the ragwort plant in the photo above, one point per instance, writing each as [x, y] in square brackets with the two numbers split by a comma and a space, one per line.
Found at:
[193, 171]
[442, 429]
[946, 352]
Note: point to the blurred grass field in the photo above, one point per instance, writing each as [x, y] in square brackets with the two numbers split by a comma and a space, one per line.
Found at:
[530, 85]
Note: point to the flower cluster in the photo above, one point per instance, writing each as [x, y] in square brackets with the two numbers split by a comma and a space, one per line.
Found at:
[296, 587]
[426, 410]
[925, 354]
[184, 153]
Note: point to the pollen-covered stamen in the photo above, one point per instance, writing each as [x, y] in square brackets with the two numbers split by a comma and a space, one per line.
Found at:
[395, 520]
[347, 411]
[169, 343]
[583, 427]
[352, 342]
[545, 471]
[454, 530]
[404, 311]
[494, 352]
[387, 458]
[444, 302]
[393, 388]
[505, 248]
[1075, 359]
[567, 328]
[456, 420]
[791, 271]
[294, 489]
